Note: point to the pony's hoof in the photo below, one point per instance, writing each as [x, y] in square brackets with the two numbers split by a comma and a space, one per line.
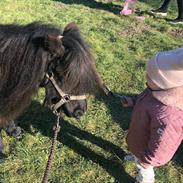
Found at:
[17, 133]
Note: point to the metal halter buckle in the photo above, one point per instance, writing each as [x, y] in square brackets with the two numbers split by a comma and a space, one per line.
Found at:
[67, 98]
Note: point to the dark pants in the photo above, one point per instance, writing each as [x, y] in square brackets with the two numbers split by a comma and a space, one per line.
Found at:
[166, 3]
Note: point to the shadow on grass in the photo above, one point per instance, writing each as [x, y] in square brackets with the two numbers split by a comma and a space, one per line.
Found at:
[42, 120]
[119, 114]
[178, 158]
[94, 5]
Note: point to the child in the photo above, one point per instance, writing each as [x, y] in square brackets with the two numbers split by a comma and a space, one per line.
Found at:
[156, 128]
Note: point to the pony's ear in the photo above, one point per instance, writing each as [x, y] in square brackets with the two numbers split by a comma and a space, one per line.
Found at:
[50, 42]
[71, 26]
[53, 43]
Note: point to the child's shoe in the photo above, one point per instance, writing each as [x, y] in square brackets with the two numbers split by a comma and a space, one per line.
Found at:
[129, 157]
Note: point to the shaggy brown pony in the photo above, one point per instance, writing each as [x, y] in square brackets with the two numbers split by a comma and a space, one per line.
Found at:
[28, 52]
[25, 52]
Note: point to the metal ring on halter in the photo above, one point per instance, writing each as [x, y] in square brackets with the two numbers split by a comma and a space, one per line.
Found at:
[67, 97]
[49, 75]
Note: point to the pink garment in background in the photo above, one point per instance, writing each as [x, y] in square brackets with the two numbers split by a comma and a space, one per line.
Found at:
[129, 7]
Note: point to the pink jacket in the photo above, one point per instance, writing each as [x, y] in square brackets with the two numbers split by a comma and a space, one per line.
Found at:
[156, 130]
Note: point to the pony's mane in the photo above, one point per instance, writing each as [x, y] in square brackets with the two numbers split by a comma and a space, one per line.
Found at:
[78, 65]
[22, 64]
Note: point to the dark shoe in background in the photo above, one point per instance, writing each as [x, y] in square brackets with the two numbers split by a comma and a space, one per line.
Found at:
[160, 12]
[176, 21]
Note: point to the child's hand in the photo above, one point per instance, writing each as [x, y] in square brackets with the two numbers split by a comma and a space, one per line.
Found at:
[127, 101]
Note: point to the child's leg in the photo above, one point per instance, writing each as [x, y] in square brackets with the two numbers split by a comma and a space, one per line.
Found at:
[144, 175]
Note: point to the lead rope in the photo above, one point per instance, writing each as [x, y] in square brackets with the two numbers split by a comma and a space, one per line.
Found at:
[56, 129]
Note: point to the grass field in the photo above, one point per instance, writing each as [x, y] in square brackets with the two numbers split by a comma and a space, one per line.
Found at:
[91, 150]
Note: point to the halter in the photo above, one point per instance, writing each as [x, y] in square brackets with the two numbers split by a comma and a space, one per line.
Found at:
[64, 97]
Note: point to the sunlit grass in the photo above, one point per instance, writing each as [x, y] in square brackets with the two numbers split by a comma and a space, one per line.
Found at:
[90, 150]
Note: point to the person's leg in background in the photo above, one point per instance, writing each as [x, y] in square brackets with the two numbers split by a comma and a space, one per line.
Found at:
[180, 9]
[163, 9]
[179, 19]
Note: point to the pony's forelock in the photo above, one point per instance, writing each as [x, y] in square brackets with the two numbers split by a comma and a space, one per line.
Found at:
[80, 75]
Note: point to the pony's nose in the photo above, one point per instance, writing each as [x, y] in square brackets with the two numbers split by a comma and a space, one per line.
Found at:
[78, 113]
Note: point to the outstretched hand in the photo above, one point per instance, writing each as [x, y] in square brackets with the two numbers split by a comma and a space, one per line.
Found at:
[126, 101]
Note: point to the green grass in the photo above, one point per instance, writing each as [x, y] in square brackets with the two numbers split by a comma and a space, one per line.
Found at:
[91, 150]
